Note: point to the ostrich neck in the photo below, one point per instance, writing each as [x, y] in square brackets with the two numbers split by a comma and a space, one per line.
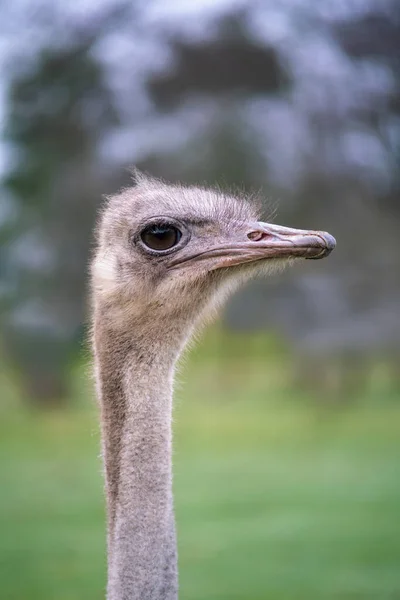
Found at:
[135, 392]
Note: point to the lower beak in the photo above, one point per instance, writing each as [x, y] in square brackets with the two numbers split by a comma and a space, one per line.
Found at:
[267, 241]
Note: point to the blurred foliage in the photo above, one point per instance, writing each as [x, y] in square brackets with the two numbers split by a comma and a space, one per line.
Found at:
[296, 100]
[230, 64]
[57, 113]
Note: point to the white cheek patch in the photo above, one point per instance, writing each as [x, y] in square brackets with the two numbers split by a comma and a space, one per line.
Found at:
[104, 273]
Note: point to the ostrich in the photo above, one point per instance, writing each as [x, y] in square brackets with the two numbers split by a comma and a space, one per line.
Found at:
[167, 256]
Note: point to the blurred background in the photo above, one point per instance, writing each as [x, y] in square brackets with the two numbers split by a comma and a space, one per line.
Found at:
[287, 418]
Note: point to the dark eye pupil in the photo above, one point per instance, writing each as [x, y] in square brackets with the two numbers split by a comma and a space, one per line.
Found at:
[161, 237]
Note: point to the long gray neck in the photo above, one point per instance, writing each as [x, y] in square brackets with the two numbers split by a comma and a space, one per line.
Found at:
[135, 392]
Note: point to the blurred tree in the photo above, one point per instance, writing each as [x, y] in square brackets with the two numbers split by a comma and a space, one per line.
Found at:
[298, 97]
[375, 36]
[226, 69]
[57, 112]
[231, 63]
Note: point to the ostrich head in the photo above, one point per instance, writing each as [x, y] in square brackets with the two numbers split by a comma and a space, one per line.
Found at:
[167, 254]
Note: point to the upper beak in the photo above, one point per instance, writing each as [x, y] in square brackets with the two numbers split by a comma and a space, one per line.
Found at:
[284, 241]
[262, 241]
[267, 241]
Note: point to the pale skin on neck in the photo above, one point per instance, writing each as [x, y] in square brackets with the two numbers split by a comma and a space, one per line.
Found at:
[146, 305]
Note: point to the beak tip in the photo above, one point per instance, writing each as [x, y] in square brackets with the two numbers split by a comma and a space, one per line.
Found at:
[329, 244]
[330, 241]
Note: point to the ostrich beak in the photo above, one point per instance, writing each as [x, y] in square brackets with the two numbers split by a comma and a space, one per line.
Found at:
[278, 241]
[267, 241]
[264, 241]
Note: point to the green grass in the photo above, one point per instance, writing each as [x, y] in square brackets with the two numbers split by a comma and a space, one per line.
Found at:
[277, 497]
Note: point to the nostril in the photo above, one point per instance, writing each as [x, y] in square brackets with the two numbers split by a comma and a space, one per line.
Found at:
[258, 235]
[254, 236]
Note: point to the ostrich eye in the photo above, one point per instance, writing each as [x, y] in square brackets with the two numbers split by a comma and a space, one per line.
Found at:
[161, 236]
